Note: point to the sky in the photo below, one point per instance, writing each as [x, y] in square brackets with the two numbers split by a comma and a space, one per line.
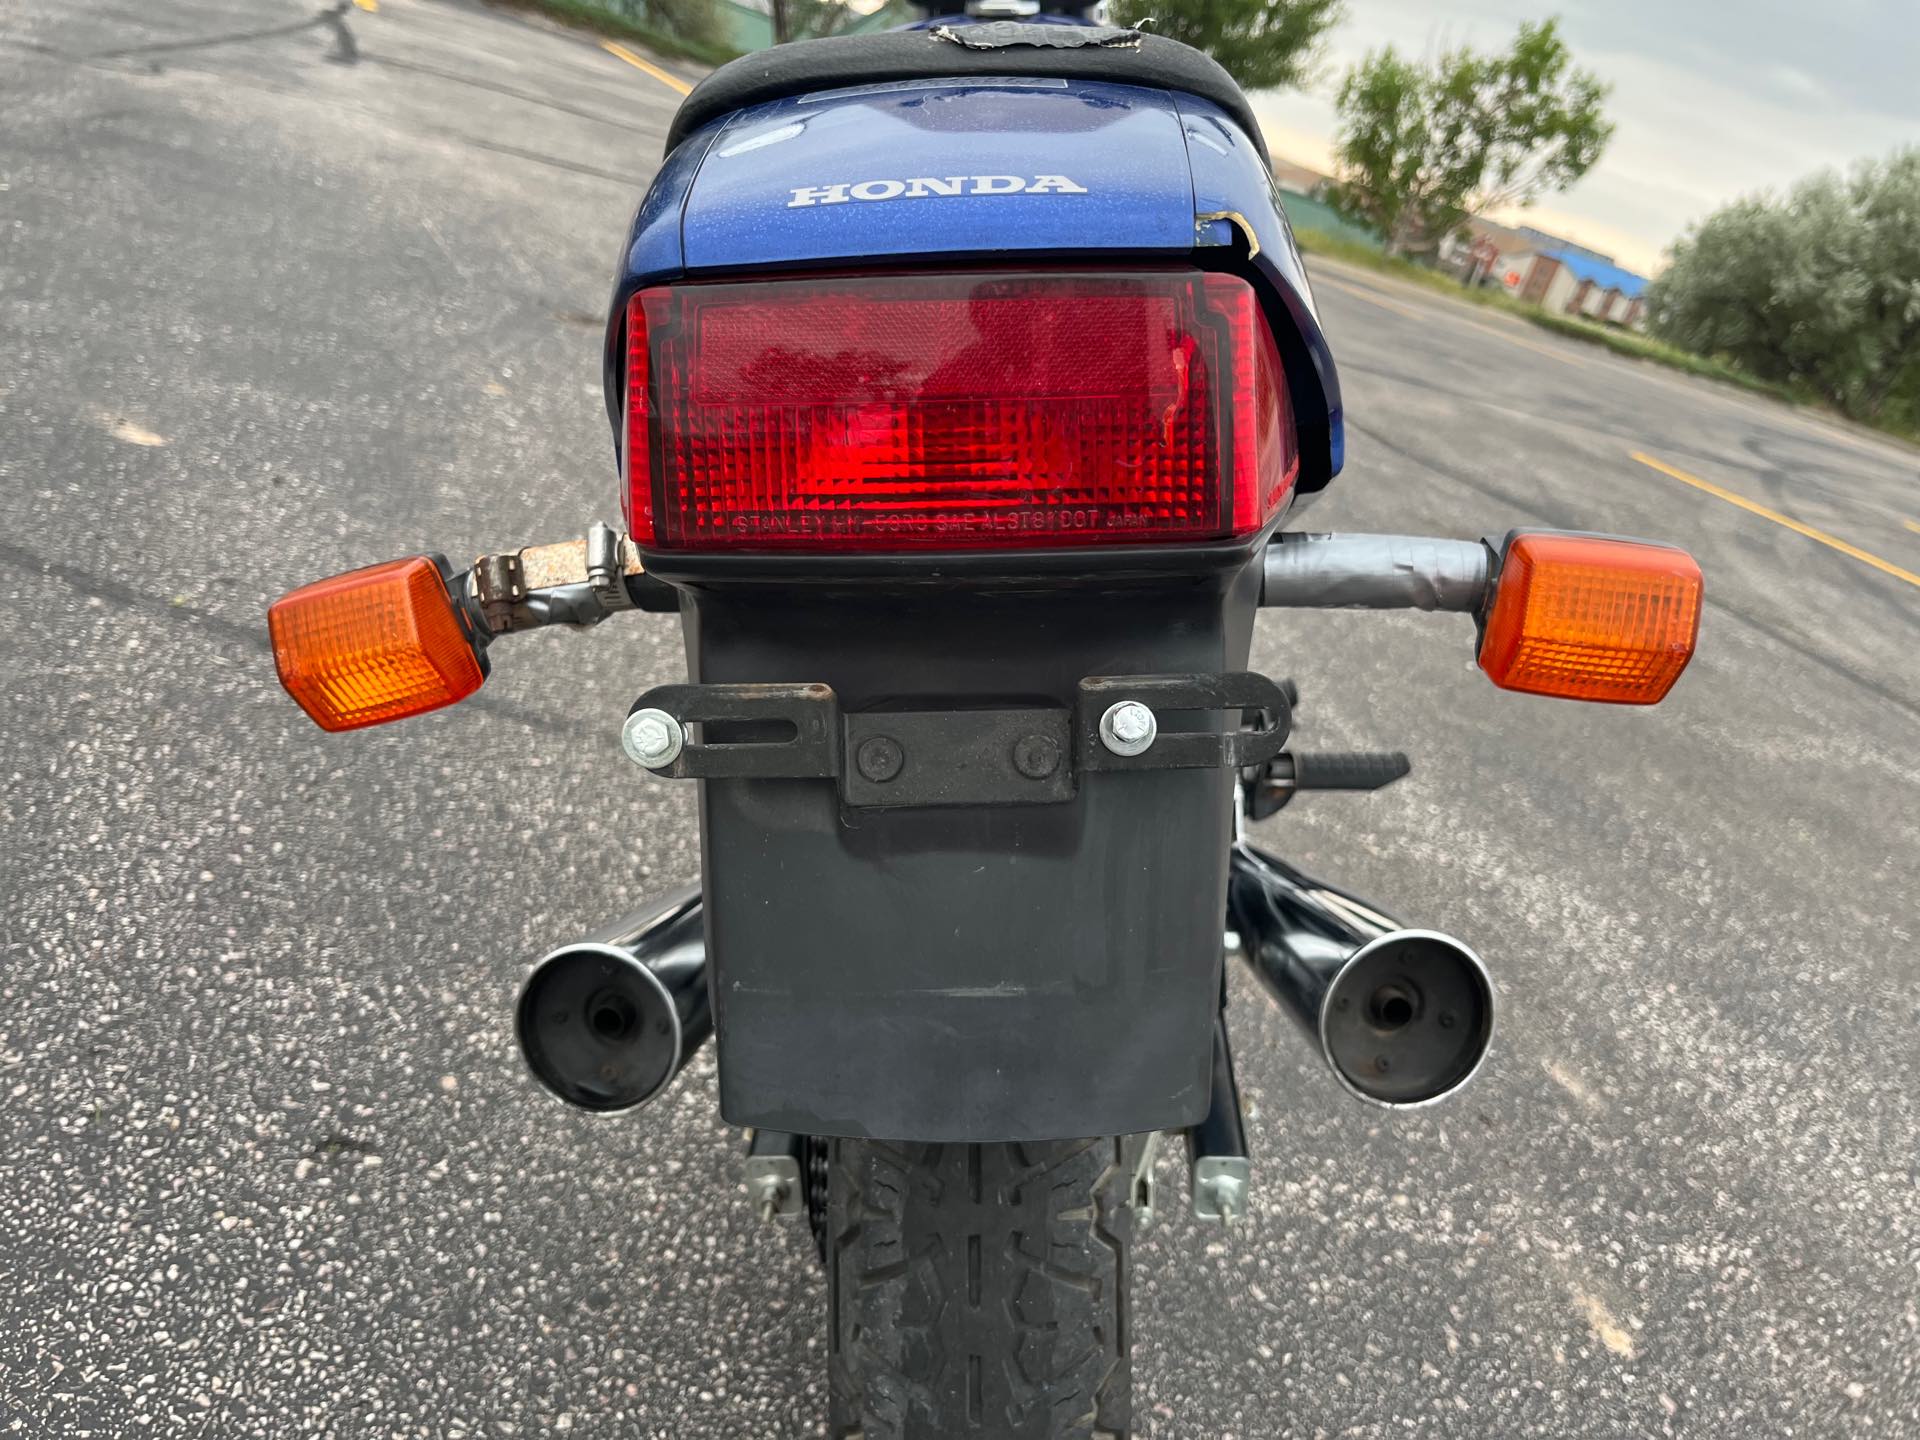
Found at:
[1713, 99]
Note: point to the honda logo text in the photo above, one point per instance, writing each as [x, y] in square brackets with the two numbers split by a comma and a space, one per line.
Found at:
[926, 188]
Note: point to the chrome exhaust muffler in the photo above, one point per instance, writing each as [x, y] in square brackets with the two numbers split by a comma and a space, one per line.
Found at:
[607, 1022]
[1402, 1017]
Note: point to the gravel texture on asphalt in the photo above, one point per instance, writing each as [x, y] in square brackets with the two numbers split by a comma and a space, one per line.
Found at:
[289, 287]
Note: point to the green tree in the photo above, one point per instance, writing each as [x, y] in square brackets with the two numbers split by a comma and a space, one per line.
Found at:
[1261, 43]
[696, 20]
[1423, 145]
[1818, 289]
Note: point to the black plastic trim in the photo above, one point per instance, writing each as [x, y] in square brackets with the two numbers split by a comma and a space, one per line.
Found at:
[941, 569]
[845, 62]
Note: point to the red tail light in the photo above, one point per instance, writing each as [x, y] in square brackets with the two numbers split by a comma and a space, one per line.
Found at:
[958, 412]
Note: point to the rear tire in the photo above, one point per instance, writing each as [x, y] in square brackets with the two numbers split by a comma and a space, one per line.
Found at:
[979, 1291]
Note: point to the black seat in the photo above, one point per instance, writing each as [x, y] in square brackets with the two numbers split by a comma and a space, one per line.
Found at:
[1065, 52]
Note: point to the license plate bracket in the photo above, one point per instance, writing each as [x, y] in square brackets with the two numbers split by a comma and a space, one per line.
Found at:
[1020, 755]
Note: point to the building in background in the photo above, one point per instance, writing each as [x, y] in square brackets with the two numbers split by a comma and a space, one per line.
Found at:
[1528, 264]
[1303, 195]
[1570, 279]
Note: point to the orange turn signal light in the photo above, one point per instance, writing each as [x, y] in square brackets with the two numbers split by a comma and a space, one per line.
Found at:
[375, 645]
[1589, 618]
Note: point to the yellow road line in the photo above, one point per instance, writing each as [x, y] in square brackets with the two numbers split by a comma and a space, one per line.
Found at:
[370, 6]
[672, 82]
[1913, 525]
[1774, 515]
[1412, 314]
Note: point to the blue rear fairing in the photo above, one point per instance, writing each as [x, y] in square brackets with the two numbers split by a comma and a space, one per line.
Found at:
[929, 168]
[778, 187]
[1227, 172]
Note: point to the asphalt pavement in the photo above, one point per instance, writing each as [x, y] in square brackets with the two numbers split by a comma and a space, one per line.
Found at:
[286, 289]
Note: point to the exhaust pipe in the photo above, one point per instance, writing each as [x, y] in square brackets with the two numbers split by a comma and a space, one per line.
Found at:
[1402, 1017]
[607, 1023]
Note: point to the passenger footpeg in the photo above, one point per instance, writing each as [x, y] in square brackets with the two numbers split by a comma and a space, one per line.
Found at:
[1290, 772]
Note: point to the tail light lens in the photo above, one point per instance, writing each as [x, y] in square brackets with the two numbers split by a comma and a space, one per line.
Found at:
[1586, 618]
[374, 645]
[963, 411]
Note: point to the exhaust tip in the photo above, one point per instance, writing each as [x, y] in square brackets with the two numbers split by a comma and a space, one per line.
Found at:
[598, 1028]
[1408, 1018]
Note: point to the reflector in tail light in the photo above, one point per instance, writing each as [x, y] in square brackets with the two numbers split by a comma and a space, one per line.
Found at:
[960, 411]
[1587, 618]
[374, 645]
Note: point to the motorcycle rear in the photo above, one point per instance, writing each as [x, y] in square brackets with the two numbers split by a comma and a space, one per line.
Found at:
[965, 380]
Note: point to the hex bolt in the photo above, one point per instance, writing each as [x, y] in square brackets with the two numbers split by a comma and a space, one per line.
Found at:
[1220, 1185]
[769, 1195]
[652, 738]
[1128, 728]
[1229, 1196]
[1224, 1196]
[1036, 756]
[1144, 1201]
[773, 1185]
[880, 758]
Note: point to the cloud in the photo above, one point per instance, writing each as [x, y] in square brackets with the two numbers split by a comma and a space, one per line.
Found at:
[1712, 99]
